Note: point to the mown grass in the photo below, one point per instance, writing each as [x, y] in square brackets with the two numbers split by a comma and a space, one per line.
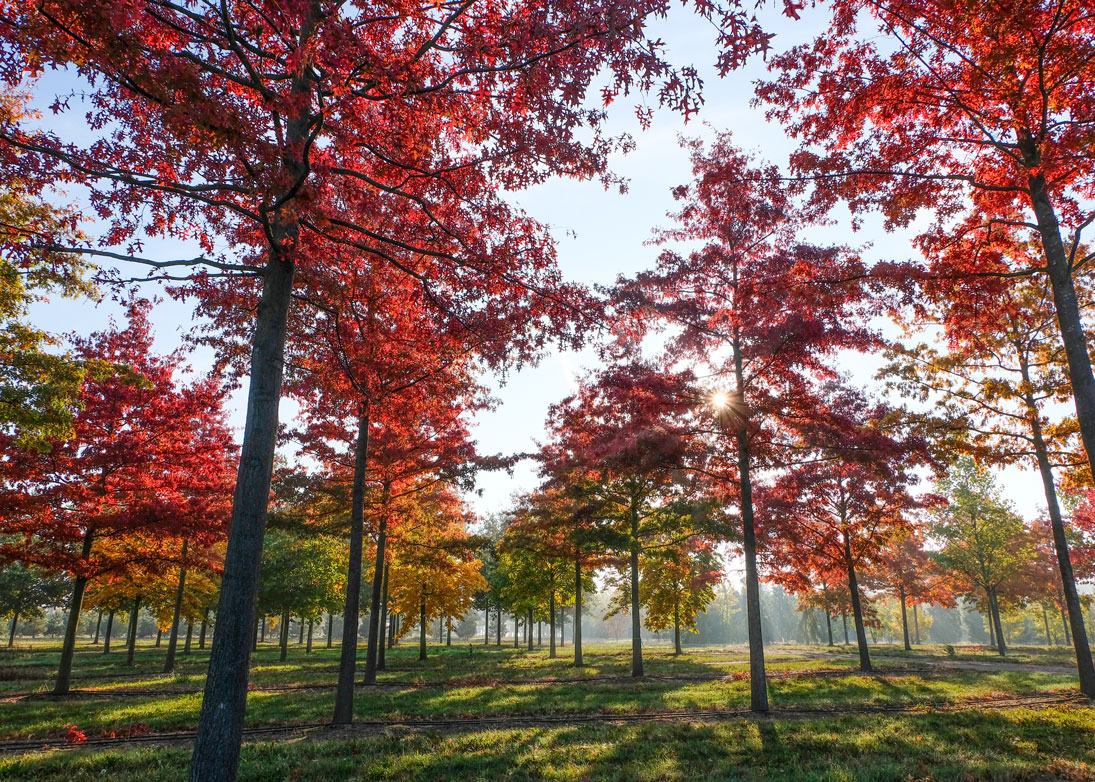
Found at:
[1013, 746]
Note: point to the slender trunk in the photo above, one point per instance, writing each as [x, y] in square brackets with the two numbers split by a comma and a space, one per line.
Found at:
[308, 649]
[904, 619]
[677, 628]
[98, 624]
[283, 636]
[916, 625]
[133, 616]
[189, 636]
[992, 624]
[539, 633]
[422, 630]
[330, 627]
[205, 625]
[528, 630]
[159, 636]
[1085, 666]
[1001, 646]
[344, 690]
[758, 685]
[300, 625]
[577, 612]
[15, 621]
[1045, 619]
[516, 631]
[173, 639]
[109, 631]
[551, 626]
[486, 625]
[220, 723]
[498, 628]
[448, 633]
[829, 626]
[377, 594]
[636, 619]
[255, 640]
[857, 608]
[262, 628]
[385, 621]
[844, 619]
[68, 649]
[1064, 620]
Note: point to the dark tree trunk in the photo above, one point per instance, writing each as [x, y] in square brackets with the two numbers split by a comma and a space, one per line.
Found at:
[173, 639]
[516, 630]
[189, 636]
[1064, 622]
[904, 619]
[677, 629]
[422, 630]
[205, 625]
[992, 624]
[562, 629]
[109, 631]
[528, 630]
[385, 623]
[72, 624]
[159, 637]
[636, 618]
[577, 613]
[300, 625]
[98, 625]
[262, 628]
[344, 690]
[857, 609]
[132, 642]
[844, 618]
[539, 633]
[376, 596]
[551, 625]
[829, 626]
[486, 625]
[1045, 619]
[308, 649]
[498, 628]
[758, 684]
[283, 636]
[448, 633]
[916, 624]
[1084, 665]
[994, 607]
[15, 621]
[330, 627]
[220, 724]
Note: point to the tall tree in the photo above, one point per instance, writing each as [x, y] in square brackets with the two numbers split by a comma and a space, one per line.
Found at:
[751, 305]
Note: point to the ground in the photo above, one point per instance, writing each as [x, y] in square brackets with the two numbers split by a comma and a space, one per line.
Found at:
[475, 712]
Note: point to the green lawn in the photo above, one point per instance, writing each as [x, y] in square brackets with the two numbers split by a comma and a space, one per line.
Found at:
[485, 681]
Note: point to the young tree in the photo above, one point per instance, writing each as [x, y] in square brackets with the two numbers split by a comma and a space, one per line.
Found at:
[149, 457]
[751, 304]
[907, 570]
[25, 591]
[985, 543]
[677, 583]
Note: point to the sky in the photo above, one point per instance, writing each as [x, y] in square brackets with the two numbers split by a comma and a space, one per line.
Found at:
[601, 234]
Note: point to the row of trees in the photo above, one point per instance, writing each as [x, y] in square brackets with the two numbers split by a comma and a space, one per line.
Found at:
[335, 173]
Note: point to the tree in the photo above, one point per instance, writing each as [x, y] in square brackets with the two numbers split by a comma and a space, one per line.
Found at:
[149, 457]
[984, 541]
[759, 307]
[980, 114]
[677, 583]
[909, 572]
[25, 591]
[302, 575]
[849, 498]
[619, 445]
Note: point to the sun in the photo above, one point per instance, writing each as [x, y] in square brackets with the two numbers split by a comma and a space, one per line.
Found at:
[719, 399]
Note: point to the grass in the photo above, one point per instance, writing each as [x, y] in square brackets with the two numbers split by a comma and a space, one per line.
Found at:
[461, 681]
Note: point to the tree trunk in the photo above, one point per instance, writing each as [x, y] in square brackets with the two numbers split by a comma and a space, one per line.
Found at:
[498, 628]
[844, 619]
[311, 623]
[528, 630]
[159, 636]
[109, 631]
[422, 630]
[486, 625]
[994, 605]
[916, 625]
[173, 639]
[758, 684]
[220, 723]
[283, 636]
[677, 629]
[1045, 619]
[904, 619]
[330, 627]
[68, 648]
[385, 622]
[377, 594]
[1084, 665]
[1064, 621]
[562, 629]
[577, 613]
[857, 608]
[448, 633]
[263, 621]
[516, 631]
[539, 633]
[344, 690]
[551, 625]
[98, 625]
[15, 621]
[636, 619]
[300, 624]
[132, 642]
[189, 636]
[992, 626]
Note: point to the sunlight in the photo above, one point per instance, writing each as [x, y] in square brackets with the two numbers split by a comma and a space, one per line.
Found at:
[719, 400]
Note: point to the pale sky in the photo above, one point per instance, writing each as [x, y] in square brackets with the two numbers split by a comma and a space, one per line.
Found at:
[600, 234]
